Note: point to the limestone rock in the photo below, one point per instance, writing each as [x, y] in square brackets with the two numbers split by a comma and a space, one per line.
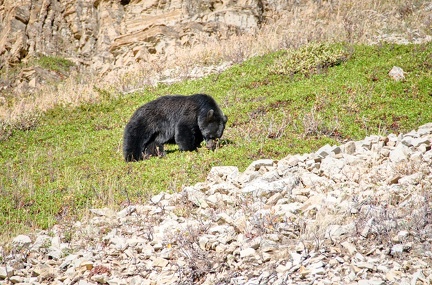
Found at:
[21, 241]
[397, 73]
[6, 272]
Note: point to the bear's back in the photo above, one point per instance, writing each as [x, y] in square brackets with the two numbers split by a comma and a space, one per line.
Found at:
[170, 107]
[177, 106]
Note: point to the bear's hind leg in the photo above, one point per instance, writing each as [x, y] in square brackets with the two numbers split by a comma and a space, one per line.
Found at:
[135, 145]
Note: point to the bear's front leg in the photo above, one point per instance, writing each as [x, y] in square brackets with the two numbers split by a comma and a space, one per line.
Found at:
[154, 149]
[185, 138]
[132, 149]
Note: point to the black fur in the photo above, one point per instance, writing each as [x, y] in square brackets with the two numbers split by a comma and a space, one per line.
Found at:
[184, 120]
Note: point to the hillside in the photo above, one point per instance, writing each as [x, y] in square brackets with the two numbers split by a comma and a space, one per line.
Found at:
[65, 52]
[357, 213]
[323, 175]
[342, 210]
[277, 104]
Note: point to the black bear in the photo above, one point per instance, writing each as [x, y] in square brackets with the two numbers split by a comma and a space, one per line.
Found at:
[184, 120]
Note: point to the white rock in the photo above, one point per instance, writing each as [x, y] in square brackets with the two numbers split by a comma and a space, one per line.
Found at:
[331, 167]
[317, 268]
[403, 235]
[6, 271]
[138, 280]
[282, 268]
[42, 241]
[119, 281]
[126, 212]
[16, 279]
[366, 265]
[370, 282]
[104, 212]
[225, 218]
[350, 247]
[288, 208]
[248, 252]
[367, 228]
[393, 275]
[120, 243]
[160, 262]
[196, 197]
[203, 241]
[419, 276]
[68, 261]
[268, 246]
[288, 162]
[397, 249]
[44, 271]
[336, 231]
[137, 242]
[350, 147]
[256, 165]
[397, 73]
[55, 253]
[157, 198]
[310, 180]
[222, 229]
[425, 129]
[400, 153]
[21, 241]
[267, 225]
[296, 258]
[222, 173]
[274, 199]
[324, 151]
[84, 282]
[100, 278]
[412, 179]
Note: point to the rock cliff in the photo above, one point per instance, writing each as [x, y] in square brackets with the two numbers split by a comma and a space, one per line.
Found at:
[120, 32]
[108, 39]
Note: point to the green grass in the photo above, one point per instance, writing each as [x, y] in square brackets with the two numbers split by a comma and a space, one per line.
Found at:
[54, 63]
[72, 160]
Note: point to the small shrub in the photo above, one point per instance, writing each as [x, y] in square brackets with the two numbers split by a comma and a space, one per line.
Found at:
[55, 63]
[310, 59]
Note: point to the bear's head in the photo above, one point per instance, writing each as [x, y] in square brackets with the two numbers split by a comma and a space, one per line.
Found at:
[212, 127]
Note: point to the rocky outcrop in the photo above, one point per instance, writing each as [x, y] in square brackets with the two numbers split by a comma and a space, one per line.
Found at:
[357, 213]
[120, 32]
[111, 39]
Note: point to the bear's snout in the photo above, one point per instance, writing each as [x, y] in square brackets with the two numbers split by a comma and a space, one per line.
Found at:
[211, 144]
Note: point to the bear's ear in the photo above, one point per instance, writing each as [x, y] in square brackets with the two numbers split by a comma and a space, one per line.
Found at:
[210, 114]
[225, 118]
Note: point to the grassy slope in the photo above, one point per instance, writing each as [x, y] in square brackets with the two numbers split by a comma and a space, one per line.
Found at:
[72, 160]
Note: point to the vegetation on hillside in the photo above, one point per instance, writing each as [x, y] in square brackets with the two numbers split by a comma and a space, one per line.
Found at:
[71, 159]
[303, 22]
